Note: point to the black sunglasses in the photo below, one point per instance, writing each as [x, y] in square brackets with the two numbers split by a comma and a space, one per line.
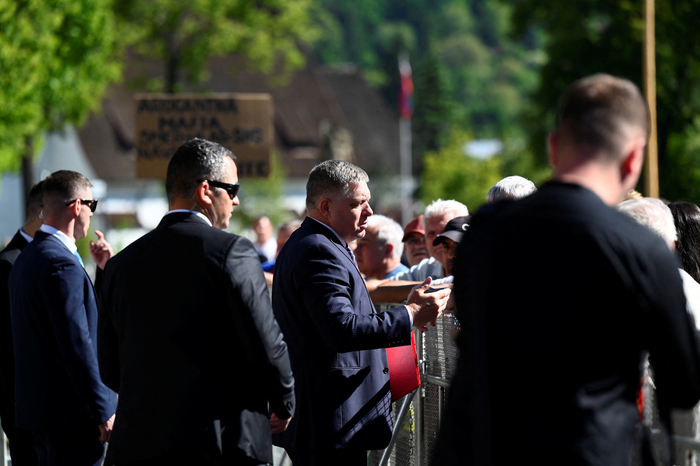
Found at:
[91, 203]
[231, 189]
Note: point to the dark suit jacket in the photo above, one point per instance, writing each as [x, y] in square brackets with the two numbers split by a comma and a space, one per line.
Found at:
[559, 296]
[7, 353]
[336, 343]
[54, 324]
[188, 339]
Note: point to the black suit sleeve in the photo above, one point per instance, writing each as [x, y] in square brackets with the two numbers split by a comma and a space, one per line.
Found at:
[330, 293]
[107, 340]
[257, 328]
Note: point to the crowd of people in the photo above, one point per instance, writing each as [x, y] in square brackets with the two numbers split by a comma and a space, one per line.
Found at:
[195, 346]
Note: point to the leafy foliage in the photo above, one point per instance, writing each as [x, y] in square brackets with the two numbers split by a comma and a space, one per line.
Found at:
[449, 174]
[606, 36]
[56, 59]
[185, 34]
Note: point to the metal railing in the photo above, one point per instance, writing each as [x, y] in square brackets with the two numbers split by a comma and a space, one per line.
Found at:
[419, 414]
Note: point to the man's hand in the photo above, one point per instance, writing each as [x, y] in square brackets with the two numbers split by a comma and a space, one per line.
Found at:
[278, 425]
[426, 307]
[106, 429]
[100, 251]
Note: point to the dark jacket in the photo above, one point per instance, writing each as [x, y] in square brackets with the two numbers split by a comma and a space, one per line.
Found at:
[336, 344]
[188, 339]
[54, 322]
[560, 297]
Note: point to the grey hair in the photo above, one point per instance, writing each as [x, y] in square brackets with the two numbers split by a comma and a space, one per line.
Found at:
[653, 214]
[389, 232]
[510, 187]
[440, 207]
[330, 178]
[195, 159]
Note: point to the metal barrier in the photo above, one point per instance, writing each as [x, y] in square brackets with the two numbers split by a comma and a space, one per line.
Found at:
[419, 414]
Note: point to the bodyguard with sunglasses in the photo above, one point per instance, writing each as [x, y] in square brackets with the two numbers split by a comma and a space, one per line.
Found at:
[186, 331]
[59, 393]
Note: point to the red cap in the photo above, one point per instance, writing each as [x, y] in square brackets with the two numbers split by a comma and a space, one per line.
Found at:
[414, 226]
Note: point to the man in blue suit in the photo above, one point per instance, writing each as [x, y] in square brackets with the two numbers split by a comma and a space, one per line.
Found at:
[59, 394]
[336, 338]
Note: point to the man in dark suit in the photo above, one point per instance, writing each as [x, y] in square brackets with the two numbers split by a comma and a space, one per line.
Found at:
[186, 333]
[336, 338]
[21, 440]
[551, 355]
[59, 394]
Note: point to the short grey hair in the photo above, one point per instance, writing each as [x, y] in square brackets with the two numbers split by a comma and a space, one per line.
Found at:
[330, 178]
[440, 207]
[389, 232]
[510, 187]
[653, 214]
[195, 159]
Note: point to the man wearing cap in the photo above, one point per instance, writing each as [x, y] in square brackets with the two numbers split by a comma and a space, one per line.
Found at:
[414, 242]
[450, 239]
[435, 218]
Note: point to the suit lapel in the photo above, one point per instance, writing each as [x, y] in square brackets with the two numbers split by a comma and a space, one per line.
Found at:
[322, 229]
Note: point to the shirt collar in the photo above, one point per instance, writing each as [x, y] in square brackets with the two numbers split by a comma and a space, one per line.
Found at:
[26, 236]
[62, 237]
[199, 214]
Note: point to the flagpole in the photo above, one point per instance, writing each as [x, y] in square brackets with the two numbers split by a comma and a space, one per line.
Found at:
[405, 140]
[651, 178]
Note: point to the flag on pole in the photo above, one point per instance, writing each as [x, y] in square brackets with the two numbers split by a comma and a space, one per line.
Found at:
[406, 89]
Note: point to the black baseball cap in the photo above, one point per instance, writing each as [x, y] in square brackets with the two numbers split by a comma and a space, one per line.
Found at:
[454, 230]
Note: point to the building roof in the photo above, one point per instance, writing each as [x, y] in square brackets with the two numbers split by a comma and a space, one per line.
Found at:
[320, 113]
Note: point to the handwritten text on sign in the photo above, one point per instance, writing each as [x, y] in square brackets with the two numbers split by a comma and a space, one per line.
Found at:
[240, 122]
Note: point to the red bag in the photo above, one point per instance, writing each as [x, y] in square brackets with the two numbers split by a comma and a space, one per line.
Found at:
[404, 376]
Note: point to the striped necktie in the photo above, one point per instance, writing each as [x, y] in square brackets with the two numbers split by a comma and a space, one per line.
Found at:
[352, 255]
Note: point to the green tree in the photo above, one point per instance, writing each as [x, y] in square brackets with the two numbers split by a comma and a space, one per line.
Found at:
[56, 59]
[184, 34]
[606, 36]
[263, 196]
[450, 174]
[433, 106]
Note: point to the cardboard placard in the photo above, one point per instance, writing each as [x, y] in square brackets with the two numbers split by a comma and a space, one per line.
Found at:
[239, 122]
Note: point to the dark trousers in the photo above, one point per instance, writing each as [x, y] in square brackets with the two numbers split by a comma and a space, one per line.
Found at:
[69, 447]
[327, 457]
[21, 444]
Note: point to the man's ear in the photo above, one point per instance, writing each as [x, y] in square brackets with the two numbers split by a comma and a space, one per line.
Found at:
[552, 141]
[201, 195]
[631, 166]
[388, 250]
[325, 207]
[75, 208]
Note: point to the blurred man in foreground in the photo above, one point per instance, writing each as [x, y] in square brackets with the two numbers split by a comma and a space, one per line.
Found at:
[566, 335]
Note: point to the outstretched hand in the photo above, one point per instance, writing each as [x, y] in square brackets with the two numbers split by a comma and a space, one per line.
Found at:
[427, 304]
[101, 250]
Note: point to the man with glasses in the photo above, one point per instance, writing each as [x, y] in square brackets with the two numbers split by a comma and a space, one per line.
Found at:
[186, 332]
[59, 394]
